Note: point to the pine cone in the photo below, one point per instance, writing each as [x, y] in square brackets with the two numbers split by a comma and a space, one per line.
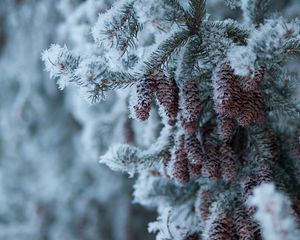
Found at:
[168, 96]
[260, 74]
[195, 155]
[211, 163]
[222, 228]
[228, 163]
[195, 169]
[145, 95]
[189, 127]
[264, 173]
[179, 163]
[257, 234]
[274, 144]
[232, 101]
[248, 184]
[203, 203]
[225, 127]
[190, 106]
[253, 109]
[193, 148]
[295, 151]
[226, 90]
[243, 224]
[251, 83]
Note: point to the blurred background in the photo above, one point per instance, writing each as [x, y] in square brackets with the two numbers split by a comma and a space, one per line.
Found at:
[51, 185]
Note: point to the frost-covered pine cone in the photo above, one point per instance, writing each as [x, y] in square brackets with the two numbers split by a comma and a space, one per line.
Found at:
[226, 90]
[295, 153]
[228, 163]
[252, 109]
[168, 95]
[145, 89]
[232, 101]
[194, 149]
[179, 164]
[221, 228]
[251, 83]
[243, 225]
[264, 173]
[190, 106]
[204, 201]
[211, 167]
[226, 127]
[195, 154]
[274, 144]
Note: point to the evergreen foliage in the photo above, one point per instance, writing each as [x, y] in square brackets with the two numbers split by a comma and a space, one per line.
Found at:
[219, 97]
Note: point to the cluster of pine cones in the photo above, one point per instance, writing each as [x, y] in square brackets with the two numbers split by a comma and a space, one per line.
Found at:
[238, 100]
[184, 103]
[238, 103]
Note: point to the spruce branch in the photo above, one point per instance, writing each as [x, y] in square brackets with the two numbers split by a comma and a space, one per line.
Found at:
[130, 159]
[292, 47]
[166, 50]
[118, 27]
[196, 13]
[92, 75]
[176, 13]
[255, 10]
[188, 61]
[60, 63]
[261, 144]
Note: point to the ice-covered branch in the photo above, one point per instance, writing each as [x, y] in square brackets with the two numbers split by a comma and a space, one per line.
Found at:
[118, 27]
[130, 159]
[93, 75]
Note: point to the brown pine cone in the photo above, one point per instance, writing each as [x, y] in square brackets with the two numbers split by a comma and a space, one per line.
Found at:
[226, 90]
[193, 148]
[222, 228]
[203, 203]
[145, 88]
[251, 83]
[243, 224]
[211, 163]
[228, 163]
[190, 106]
[179, 163]
[168, 96]
[226, 127]
[274, 144]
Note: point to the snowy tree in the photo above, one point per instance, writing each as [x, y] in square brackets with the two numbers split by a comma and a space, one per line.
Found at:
[212, 94]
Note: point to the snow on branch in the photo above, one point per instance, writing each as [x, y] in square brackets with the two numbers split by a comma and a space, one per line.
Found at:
[274, 213]
[92, 75]
[130, 159]
[254, 10]
[166, 49]
[118, 27]
[60, 63]
[271, 43]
